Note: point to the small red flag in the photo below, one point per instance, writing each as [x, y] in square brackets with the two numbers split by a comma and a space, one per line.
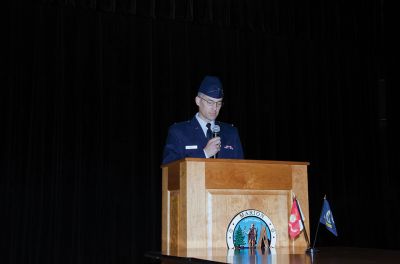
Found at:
[295, 225]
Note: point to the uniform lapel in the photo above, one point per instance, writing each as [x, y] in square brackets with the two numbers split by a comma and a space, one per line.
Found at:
[198, 131]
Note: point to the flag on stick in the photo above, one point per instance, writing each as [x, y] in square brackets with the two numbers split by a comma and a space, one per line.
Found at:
[295, 223]
[326, 217]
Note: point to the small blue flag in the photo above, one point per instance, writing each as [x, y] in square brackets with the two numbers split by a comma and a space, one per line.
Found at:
[326, 218]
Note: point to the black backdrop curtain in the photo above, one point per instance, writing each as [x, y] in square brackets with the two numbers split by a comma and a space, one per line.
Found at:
[90, 88]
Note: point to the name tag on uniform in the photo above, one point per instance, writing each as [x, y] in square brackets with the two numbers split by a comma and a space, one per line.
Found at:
[191, 147]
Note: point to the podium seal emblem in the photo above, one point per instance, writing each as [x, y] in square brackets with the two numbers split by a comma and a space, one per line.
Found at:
[249, 229]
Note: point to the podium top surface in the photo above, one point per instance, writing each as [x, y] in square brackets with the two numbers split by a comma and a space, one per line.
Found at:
[237, 161]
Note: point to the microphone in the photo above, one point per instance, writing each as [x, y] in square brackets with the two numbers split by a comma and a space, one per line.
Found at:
[215, 133]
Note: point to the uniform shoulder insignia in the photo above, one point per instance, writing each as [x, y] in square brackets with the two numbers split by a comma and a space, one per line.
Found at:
[226, 124]
[180, 123]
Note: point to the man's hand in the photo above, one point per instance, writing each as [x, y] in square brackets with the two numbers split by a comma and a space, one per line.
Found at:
[213, 146]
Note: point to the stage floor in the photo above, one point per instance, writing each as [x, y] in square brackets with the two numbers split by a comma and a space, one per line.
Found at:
[341, 255]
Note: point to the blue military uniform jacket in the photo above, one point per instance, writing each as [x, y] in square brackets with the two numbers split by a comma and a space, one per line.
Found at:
[187, 139]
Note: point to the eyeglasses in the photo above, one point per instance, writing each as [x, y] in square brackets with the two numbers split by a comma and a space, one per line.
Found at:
[212, 103]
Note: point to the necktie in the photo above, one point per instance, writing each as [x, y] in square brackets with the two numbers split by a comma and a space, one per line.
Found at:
[209, 133]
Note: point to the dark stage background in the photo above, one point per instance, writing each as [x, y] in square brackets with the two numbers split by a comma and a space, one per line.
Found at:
[89, 89]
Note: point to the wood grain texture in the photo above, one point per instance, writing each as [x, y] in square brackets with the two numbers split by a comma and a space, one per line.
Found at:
[174, 220]
[196, 207]
[248, 176]
[165, 211]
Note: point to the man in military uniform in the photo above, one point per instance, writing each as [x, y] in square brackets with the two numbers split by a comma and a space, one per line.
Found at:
[252, 236]
[194, 138]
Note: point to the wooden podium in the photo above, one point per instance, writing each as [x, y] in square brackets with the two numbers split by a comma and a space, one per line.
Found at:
[201, 196]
